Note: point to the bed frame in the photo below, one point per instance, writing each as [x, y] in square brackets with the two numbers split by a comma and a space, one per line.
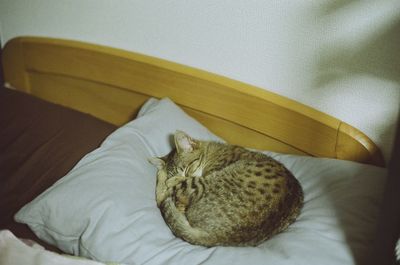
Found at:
[112, 84]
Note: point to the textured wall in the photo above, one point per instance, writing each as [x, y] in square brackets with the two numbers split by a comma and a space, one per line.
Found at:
[339, 56]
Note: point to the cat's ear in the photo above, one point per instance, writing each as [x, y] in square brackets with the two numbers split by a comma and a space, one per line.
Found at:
[183, 142]
[158, 162]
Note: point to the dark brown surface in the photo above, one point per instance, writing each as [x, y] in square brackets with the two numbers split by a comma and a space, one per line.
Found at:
[388, 228]
[39, 143]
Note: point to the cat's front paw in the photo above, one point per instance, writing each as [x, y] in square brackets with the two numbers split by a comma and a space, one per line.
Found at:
[172, 182]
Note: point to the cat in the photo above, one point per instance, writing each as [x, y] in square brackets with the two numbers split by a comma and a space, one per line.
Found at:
[216, 194]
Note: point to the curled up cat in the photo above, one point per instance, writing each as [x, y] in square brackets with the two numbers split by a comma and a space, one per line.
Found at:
[216, 194]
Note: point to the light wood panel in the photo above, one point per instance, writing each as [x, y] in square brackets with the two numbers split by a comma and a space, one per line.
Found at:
[112, 84]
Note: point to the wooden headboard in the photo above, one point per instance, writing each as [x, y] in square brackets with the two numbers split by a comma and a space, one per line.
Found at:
[112, 84]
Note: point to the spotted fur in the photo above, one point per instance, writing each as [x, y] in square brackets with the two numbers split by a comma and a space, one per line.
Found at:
[211, 193]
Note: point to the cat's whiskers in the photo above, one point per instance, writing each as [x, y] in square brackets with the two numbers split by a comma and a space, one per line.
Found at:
[228, 195]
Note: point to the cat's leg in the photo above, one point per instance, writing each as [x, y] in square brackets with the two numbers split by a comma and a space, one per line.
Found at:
[181, 198]
[180, 226]
[161, 188]
[165, 185]
[172, 182]
[187, 191]
[174, 187]
[162, 191]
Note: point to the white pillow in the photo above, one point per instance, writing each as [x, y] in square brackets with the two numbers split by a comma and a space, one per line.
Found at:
[105, 209]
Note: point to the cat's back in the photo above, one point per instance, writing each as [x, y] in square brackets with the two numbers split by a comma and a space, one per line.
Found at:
[247, 196]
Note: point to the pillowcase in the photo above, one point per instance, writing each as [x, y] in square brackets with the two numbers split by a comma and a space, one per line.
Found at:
[16, 251]
[40, 142]
[105, 208]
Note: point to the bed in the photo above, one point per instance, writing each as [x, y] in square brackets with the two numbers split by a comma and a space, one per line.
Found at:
[81, 119]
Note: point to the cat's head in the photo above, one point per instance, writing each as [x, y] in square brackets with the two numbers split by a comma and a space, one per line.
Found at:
[185, 159]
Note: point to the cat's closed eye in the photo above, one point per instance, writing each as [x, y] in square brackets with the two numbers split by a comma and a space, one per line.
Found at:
[223, 194]
[181, 170]
[194, 168]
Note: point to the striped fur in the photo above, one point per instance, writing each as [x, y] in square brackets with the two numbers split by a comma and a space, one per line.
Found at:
[218, 194]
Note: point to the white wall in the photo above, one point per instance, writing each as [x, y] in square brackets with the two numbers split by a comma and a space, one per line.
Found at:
[339, 56]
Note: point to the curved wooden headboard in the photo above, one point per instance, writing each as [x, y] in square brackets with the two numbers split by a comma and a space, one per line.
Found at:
[112, 84]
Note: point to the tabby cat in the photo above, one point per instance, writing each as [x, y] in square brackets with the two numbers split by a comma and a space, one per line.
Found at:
[211, 193]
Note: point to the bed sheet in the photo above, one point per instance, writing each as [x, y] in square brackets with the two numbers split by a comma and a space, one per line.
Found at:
[39, 143]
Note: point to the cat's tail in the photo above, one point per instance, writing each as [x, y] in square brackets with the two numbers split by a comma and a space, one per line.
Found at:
[180, 226]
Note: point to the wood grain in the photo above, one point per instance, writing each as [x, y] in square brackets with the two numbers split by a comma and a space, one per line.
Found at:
[112, 84]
